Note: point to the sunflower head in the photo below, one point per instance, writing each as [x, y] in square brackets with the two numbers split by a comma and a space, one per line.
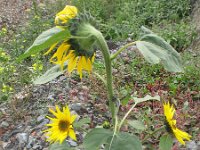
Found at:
[169, 112]
[61, 126]
[68, 13]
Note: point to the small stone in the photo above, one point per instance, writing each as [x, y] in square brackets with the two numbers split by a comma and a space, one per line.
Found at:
[37, 147]
[40, 118]
[191, 145]
[76, 106]
[72, 143]
[4, 124]
[31, 142]
[22, 138]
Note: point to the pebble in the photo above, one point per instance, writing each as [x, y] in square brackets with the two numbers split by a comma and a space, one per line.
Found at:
[22, 138]
[31, 142]
[72, 143]
[4, 124]
[76, 106]
[192, 145]
[40, 118]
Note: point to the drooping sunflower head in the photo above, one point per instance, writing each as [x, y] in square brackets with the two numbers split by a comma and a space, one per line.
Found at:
[169, 112]
[79, 59]
[61, 126]
[78, 51]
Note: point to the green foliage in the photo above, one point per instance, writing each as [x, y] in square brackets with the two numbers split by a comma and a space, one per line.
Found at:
[137, 124]
[180, 35]
[166, 142]
[125, 141]
[155, 50]
[95, 138]
[112, 141]
[45, 40]
[49, 75]
[121, 19]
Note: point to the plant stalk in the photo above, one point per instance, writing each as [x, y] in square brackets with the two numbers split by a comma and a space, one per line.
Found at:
[126, 115]
[121, 49]
[106, 54]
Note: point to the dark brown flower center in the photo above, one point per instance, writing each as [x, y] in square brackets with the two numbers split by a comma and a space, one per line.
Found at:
[168, 127]
[63, 125]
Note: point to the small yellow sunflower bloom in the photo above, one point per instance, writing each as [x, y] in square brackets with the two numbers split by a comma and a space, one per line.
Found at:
[171, 124]
[69, 12]
[61, 126]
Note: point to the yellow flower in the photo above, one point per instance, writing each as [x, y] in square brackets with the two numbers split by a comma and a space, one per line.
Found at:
[61, 126]
[69, 12]
[171, 124]
[79, 62]
[77, 59]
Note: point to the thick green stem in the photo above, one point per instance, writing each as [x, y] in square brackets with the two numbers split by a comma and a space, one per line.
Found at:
[106, 54]
[121, 49]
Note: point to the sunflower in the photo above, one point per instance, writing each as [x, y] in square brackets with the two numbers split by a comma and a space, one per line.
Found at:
[77, 59]
[79, 62]
[171, 124]
[69, 12]
[61, 126]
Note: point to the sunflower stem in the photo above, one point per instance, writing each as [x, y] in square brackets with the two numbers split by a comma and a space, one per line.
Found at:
[126, 115]
[121, 49]
[106, 54]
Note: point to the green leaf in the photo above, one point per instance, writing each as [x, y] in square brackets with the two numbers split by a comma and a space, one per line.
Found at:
[45, 40]
[95, 138]
[166, 142]
[146, 98]
[145, 31]
[81, 122]
[49, 75]
[123, 141]
[137, 124]
[58, 146]
[155, 49]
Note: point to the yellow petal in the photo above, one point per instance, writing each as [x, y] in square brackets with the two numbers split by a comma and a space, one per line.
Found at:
[79, 66]
[72, 134]
[51, 48]
[72, 64]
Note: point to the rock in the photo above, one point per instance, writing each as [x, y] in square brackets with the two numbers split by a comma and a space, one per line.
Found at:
[72, 143]
[22, 138]
[192, 145]
[76, 106]
[37, 147]
[4, 124]
[40, 118]
[31, 142]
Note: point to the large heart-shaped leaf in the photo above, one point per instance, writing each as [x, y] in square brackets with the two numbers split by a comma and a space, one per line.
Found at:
[155, 50]
[137, 124]
[123, 141]
[166, 142]
[49, 75]
[45, 40]
[95, 138]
